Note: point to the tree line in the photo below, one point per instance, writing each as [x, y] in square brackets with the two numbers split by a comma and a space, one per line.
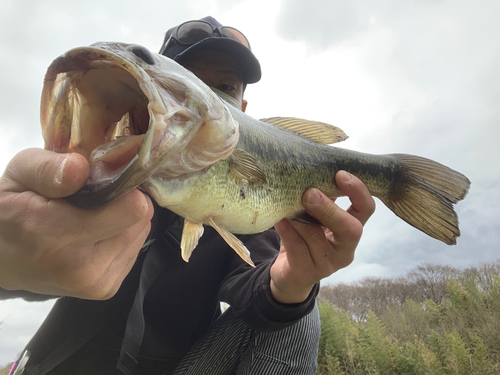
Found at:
[434, 320]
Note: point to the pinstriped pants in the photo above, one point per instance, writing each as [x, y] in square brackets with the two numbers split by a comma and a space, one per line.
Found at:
[230, 347]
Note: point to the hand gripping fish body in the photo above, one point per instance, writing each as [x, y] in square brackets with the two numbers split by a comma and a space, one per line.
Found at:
[142, 120]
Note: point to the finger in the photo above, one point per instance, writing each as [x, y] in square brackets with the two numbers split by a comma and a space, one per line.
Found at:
[334, 249]
[103, 222]
[362, 203]
[292, 241]
[309, 247]
[344, 226]
[47, 173]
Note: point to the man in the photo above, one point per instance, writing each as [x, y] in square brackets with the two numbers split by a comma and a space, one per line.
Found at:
[148, 312]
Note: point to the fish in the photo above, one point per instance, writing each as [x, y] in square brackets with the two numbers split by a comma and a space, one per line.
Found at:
[143, 121]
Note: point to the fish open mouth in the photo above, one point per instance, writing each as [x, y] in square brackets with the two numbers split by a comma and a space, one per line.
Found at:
[100, 105]
[113, 119]
[130, 112]
[96, 108]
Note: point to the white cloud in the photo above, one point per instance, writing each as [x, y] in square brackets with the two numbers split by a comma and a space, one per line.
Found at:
[20, 321]
[356, 271]
[400, 76]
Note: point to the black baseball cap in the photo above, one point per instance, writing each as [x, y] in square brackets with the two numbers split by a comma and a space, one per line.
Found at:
[242, 53]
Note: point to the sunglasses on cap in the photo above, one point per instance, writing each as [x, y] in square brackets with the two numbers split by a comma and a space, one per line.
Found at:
[192, 32]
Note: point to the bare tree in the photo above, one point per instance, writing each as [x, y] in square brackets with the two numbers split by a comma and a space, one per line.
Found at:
[430, 280]
[425, 282]
[484, 274]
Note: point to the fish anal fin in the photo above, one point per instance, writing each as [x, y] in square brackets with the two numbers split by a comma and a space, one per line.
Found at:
[318, 132]
[244, 167]
[191, 233]
[232, 241]
[307, 218]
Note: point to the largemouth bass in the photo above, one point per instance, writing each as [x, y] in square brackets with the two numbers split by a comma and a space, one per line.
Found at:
[142, 120]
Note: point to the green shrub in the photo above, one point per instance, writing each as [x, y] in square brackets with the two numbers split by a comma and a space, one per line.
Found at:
[459, 334]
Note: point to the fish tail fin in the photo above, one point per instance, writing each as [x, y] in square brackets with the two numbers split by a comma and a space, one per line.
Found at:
[425, 194]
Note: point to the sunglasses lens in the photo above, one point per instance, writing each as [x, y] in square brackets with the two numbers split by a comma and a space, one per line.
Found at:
[229, 32]
[193, 32]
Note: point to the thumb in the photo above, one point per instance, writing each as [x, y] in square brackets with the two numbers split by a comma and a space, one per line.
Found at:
[47, 173]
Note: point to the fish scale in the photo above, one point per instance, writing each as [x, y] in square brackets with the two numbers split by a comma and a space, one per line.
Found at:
[201, 157]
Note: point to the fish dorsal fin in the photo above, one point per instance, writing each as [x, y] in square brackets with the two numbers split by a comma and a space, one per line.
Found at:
[190, 236]
[244, 167]
[232, 241]
[318, 132]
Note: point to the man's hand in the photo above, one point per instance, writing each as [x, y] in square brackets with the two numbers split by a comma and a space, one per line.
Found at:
[310, 253]
[49, 246]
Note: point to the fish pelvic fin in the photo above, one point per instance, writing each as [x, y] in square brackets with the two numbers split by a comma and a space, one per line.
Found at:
[232, 241]
[191, 233]
[425, 195]
[244, 167]
[318, 132]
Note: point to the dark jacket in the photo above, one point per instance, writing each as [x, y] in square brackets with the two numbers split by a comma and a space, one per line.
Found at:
[172, 309]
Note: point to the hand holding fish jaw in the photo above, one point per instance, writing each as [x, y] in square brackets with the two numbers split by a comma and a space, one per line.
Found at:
[310, 253]
[49, 246]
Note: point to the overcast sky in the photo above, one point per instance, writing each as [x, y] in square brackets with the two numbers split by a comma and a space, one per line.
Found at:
[406, 76]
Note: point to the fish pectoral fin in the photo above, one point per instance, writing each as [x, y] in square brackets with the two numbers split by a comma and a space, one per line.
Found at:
[318, 132]
[306, 218]
[244, 167]
[190, 236]
[232, 241]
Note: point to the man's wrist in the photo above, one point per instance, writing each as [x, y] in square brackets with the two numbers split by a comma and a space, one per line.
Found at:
[290, 297]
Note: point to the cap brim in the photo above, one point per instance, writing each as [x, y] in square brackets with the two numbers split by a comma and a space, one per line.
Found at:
[249, 64]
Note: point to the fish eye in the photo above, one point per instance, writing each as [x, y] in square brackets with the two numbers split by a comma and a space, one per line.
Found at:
[144, 54]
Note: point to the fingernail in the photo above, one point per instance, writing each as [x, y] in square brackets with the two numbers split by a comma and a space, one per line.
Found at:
[313, 197]
[58, 178]
[345, 176]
